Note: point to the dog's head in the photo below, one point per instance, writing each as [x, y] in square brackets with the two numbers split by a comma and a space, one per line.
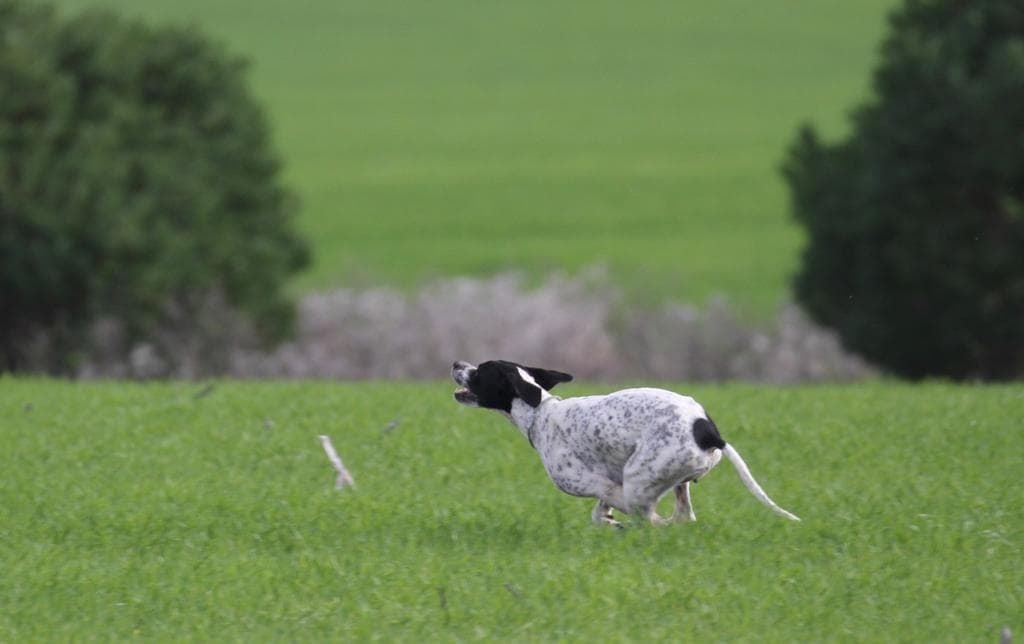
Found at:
[496, 383]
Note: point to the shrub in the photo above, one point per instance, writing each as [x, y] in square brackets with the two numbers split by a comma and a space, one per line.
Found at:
[577, 324]
[381, 333]
[136, 182]
[915, 223]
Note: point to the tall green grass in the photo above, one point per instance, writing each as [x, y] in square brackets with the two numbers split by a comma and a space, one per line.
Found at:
[458, 137]
[187, 511]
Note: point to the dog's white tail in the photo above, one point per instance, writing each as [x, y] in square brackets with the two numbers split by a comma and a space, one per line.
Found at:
[748, 480]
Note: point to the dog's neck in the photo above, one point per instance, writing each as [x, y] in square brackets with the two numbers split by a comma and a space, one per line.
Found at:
[524, 416]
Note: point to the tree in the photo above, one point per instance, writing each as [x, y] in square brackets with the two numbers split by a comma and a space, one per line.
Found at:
[136, 178]
[915, 222]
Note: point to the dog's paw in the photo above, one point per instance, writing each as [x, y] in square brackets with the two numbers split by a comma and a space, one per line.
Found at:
[608, 521]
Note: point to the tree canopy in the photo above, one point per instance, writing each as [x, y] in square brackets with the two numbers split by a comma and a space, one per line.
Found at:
[137, 177]
[915, 222]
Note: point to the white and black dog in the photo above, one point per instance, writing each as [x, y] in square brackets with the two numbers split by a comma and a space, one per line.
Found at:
[625, 449]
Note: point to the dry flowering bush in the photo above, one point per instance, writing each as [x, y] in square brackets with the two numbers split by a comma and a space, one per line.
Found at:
[577, 324]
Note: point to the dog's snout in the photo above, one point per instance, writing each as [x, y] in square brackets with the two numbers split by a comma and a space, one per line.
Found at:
[461, 371]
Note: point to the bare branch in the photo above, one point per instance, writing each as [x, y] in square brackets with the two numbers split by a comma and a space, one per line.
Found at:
[344, 478]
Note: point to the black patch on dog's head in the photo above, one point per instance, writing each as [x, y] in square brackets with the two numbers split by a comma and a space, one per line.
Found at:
[706, 434]
[496, 383]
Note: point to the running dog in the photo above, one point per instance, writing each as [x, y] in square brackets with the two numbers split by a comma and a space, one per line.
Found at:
[625, 449]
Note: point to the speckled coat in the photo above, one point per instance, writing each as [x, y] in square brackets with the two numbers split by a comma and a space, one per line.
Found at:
[627, 448]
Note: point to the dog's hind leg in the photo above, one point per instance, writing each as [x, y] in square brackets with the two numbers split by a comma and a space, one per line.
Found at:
[684, 509]
[642, 499]
[644, 481]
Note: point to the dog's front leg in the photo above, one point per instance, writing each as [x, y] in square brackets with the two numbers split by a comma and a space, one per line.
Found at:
[576, 479]
[611, 499]
[602, 515]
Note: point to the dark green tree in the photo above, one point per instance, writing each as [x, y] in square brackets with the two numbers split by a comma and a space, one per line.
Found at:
[915, 222]
[136, 178]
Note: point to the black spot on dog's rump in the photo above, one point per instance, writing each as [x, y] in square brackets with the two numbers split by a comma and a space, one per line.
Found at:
[706, 434]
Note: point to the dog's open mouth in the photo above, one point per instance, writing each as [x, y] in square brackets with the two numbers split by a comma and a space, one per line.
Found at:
[464, 396]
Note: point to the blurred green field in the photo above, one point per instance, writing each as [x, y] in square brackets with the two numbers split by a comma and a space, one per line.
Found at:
[207, 512]
[451, 137]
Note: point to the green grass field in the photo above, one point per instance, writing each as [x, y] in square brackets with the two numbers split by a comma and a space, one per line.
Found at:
[456, 137]
[181, 512]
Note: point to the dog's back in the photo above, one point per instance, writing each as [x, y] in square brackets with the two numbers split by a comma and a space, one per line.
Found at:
[608, 429]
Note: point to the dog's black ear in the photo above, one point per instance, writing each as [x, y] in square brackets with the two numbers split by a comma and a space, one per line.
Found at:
[547, 378]
[528, 391]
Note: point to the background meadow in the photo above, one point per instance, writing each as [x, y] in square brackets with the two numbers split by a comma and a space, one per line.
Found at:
[447, 138]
